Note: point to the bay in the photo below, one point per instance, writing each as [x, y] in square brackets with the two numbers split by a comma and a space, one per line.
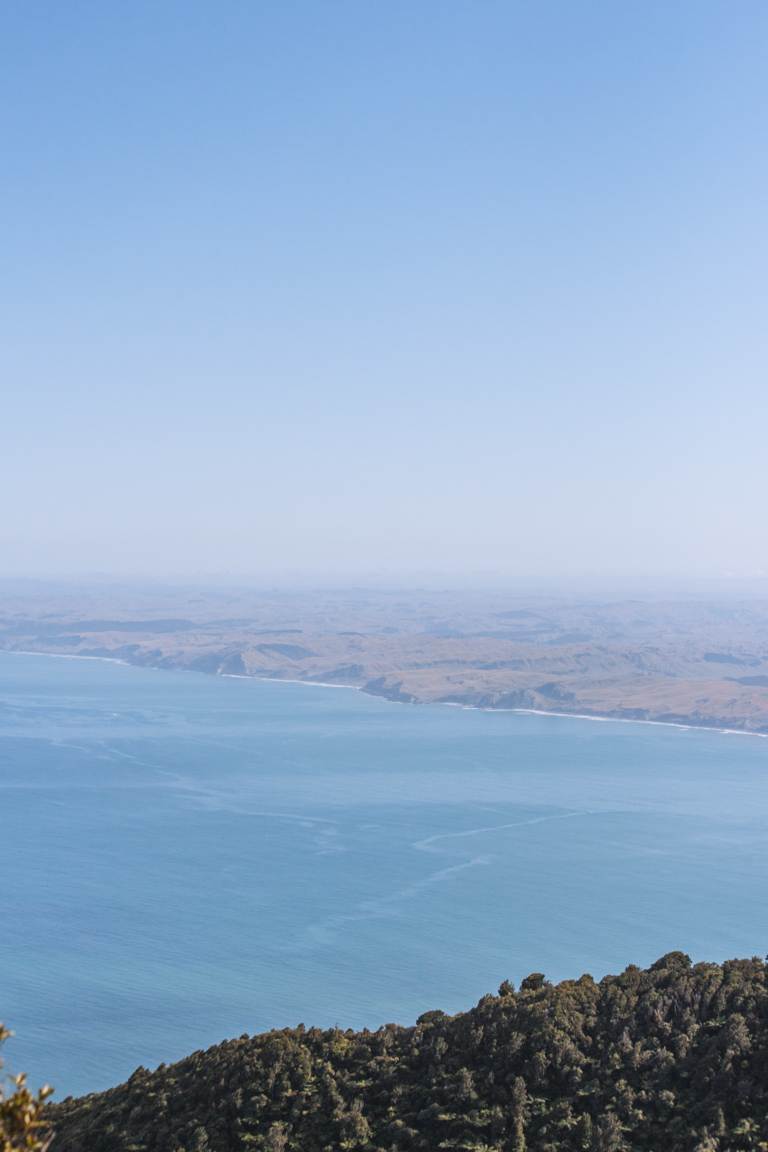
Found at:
[185, 858]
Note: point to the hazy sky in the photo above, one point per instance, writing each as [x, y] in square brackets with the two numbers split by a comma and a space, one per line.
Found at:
[392, 287]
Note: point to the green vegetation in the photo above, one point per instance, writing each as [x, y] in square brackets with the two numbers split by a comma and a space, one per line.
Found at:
[22, 1127]
[672, 1059]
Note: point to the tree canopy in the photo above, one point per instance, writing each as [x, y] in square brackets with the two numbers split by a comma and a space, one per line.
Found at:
[669, 1059]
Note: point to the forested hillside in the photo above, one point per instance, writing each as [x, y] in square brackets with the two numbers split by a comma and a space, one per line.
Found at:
[672, 1058]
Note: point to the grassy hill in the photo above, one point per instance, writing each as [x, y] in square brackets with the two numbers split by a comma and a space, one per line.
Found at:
[690, 661]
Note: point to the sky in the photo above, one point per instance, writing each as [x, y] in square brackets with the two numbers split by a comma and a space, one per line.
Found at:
[344, 289]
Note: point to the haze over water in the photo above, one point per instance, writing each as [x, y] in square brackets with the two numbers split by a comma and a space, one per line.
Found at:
[186, 858]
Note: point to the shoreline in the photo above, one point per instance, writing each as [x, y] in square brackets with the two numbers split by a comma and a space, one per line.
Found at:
[601, 719]
[628, 720]
[71, 656]
[598, 719]
[285, 680]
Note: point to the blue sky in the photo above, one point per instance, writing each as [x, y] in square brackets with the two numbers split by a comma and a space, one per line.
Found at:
[341, 289]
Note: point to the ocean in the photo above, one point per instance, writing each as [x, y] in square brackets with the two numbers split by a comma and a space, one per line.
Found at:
[185, 858]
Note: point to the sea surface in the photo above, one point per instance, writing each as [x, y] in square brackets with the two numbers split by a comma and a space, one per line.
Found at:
[185, 858]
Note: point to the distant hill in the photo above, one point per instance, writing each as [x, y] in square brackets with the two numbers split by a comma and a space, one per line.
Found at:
[685, 661]
[672, 1059]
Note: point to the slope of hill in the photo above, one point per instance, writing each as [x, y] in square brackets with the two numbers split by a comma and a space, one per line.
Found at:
[672, 1059]
[687, 661]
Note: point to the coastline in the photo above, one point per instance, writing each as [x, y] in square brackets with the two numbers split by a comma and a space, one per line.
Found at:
[602, 719]
[71, 656]
[596, 718]
[627, 720]
[286, 680]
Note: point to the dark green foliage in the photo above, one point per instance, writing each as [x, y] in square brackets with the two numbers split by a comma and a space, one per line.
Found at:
[673, 1059]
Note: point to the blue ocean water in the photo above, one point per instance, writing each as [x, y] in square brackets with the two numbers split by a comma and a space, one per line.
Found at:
[185, 858]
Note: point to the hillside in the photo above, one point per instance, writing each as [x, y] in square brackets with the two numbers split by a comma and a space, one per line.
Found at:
[686, 661]
[672, 1059]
